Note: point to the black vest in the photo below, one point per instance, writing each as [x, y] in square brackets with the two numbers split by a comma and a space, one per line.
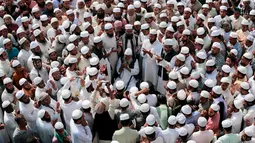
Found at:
[168, 58]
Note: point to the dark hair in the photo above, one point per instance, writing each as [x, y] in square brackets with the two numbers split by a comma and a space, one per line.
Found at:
[18, 118]
[31, 139]
[228, 129]
[125, 122]
[161, 99]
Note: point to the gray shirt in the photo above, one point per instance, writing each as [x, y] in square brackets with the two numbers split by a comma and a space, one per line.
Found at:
[20, 136]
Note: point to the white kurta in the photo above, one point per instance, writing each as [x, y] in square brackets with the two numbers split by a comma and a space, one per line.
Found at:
[10, 124]
[23, 57]
[6, 67]
[79, 133]
[45, 130]
[150, 67]
[170, 135]
[43, 73]
[236, 118]
[52, 110]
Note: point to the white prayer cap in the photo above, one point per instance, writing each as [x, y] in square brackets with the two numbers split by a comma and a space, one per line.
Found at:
[120, 5]
[20, 30]
[202, 122]
[180, 57]
[7, 40]
[6, 104]
[223, 7]
[36, 58]
[48, 1]
[59, 126]
[93, 61]
[249, 97]
[133, 90]
[7, 16]
[106, 89]
[233, 34]
[100, 6]
[195, 75]
[1, 7]
[51, 51]
[205, 6]
[130, 7]
[137, 4]
[180, 4]
[199, 41]
[209, 83]
[225, 80]
[217, 90]
[88, 82]
[124, 103]
[163, 24]
[20, 94]
[144, 108]
[171, 85]
[226, 123]
[76, 114]
[128, 52]
[144, 85]
[212, 20]
[72, 60]
[56, 10]
[70, 47]
[66, 93]
[15, 63]
[22, 40]
[245, 22]
[173, 75]
[149, 130]
[144, 1]
[157, 5]
[181, 95]
[37, 80]
[215, 107]
[145, 26]
[171, 2]
[153, 31]
[187, 9]
[86, 104]
[92, 71]
[191, 141]
[84, 34]
[148, 15]
[66, 24]
[24, 19]
[3, 27]
[124, 117]
[174, 19]
[2, 73]
[22, 81]
[242, 69]
[238, 104]
[168, 42]
[64, 80]
[201, 55]
[72, 28]
[68, 12]
[116, 9]
[84, 50]
[43, 17]
[137, 23]
[181, 118]
[97, 39]
[150, 120]
[200, 31]
[54, 64]
[184, 70]
[249, 131]
[182, 131]
[248, 55]
[252, 12]
[204, 94]
[234, 51]
[86, 15]
[215, 33]
[114, 142]
[186, 109]
[224, 1]
[41, 113]
[141, 98]
[7, 80]
[120, 85]
[217, 45]
[162, 15]
[184, 50]
[210, 63]
[37, 32]
[72, 38]
[208, 1]
[193, 83]
[53, 19]
[128, 26]
[108, 19]
[226, 68]
[180, 23]
[245, 85]
[1, 51]
[172, 120]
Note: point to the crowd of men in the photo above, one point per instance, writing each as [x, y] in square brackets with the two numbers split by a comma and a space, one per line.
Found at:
[123, 71]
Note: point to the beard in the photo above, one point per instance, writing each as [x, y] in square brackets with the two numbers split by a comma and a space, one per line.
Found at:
[41, 4]
[10, 90]
[129, 36]
[23, 8]
[100, 15]
[152, 40]
[28, 101]
[110, 35]
[38, 54]
[47, 119]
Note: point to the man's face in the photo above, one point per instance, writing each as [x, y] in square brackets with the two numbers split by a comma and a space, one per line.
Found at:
[236, 14]
[148, 20]
[186, 14]
[37, 14]
[46, 100]
[244, 61]
[152, 38]
[185, 37]
[245, 28]
[37, 64]
[53, 56]
[215, 51]
[25, 99]
[9, 86]
[205, 11]
[8, 21]
[109, 32]
[209, 69]
[117, 15]
[85, 40]
[167, 48]
[169, 34]
[223, 13]
[181, 28]
[131, 12]
[4, 56]
[180, 9]
[49, 6]
[81, 5]
[5, 32]
[246, 3]
[8, 46]
[224, 85]
[232, 40]
[211, 112]
[71, 17]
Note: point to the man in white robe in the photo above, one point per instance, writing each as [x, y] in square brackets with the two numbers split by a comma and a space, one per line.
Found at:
[5, 64]
[24, 53]
[150, 48]
[38, 70]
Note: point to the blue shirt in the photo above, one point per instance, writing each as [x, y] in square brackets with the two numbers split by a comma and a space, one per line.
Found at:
[13, 53]
[237, 46]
